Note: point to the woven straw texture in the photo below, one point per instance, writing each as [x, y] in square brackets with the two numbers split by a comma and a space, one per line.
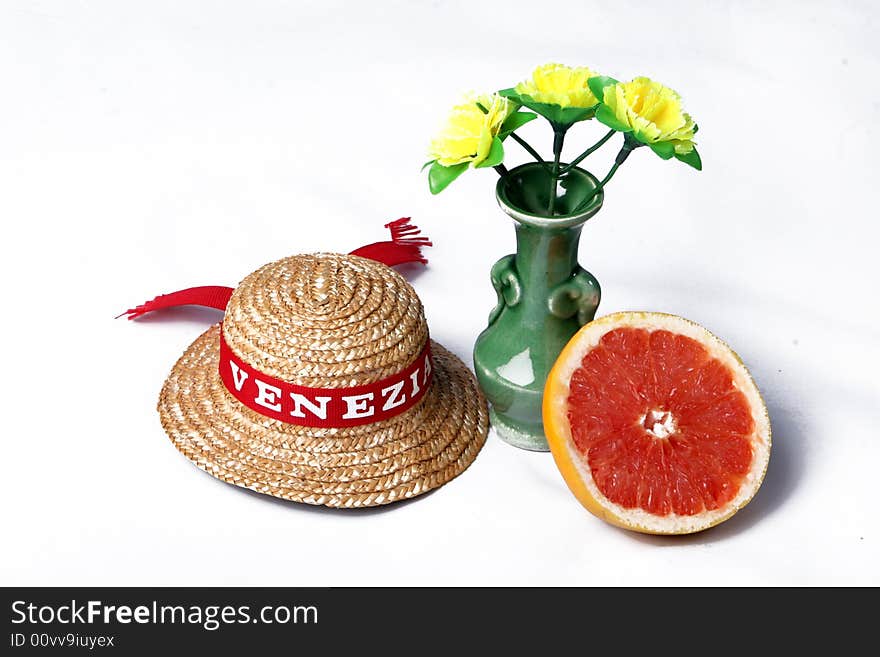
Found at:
[325, 320]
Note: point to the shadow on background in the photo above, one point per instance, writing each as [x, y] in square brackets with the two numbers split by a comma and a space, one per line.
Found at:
[412, 271]
[312, 508]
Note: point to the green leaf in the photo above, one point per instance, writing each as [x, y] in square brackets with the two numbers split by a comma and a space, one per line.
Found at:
[597, 86]
[495, 156]
[440, 176]
[692, 159]
[606, 116]
[427, 164]
[514, 122]
[562, 116]
[570, 115]
[510, 93]
[664, 149]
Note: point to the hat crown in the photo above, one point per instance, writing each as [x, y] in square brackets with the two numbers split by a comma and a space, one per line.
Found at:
[326, 321]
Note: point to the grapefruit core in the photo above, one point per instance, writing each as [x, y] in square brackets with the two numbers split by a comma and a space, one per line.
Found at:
[655, 424]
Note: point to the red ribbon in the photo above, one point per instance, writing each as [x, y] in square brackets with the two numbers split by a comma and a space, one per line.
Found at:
[209, 296]
[404, 247]
[325, 407]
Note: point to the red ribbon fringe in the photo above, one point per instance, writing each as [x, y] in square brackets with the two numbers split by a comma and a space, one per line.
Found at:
[403, 247]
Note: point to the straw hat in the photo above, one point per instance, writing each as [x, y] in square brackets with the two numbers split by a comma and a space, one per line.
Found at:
[328, 323]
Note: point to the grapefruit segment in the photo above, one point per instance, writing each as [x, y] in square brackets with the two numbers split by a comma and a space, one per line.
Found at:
[656, 424]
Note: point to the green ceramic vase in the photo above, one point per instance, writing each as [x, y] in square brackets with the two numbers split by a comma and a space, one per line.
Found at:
[544, 297]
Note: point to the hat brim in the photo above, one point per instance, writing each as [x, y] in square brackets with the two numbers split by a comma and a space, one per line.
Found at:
[368, 465]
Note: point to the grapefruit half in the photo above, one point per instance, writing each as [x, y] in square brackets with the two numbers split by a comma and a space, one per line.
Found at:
[655, 424]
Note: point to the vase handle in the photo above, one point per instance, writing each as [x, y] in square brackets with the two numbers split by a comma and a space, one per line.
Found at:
[578, 295]
[507, 286]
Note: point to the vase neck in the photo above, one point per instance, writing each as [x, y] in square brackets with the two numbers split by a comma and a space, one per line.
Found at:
[546, 256]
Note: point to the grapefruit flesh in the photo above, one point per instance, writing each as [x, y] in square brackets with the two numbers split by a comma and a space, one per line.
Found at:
[656, 424]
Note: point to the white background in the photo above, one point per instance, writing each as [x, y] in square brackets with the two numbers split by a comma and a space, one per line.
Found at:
[147, 147]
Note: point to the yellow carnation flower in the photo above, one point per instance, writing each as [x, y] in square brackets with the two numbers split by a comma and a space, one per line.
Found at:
[557, 84]
[468, 133]
[653, 113]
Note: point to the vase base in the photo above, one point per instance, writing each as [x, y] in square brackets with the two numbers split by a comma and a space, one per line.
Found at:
[517, 435]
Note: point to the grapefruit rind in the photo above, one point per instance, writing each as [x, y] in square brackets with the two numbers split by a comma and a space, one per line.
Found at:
[573, 465]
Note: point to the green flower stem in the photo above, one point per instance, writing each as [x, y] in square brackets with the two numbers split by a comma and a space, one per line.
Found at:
[558, 139]
[624, 152]
[522, 142]
[611, 172]
[501, 169]
[587, 152]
